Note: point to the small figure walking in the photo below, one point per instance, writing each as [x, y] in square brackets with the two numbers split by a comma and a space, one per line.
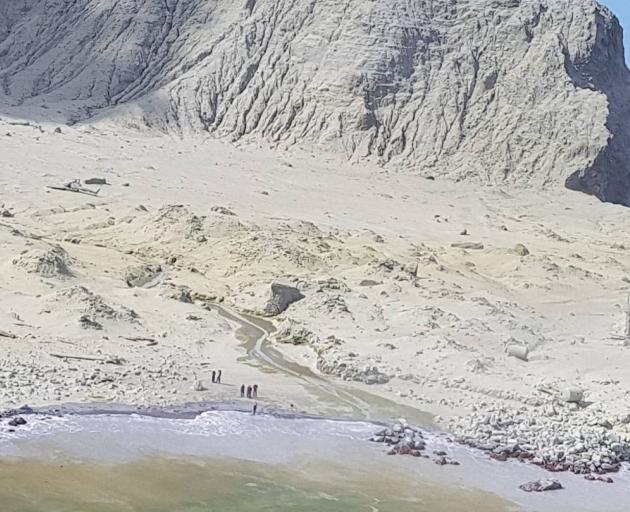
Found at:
[242, 390]
[249, 391]
[255, 390]
[219, 377]
[255, 408]
[214, 376]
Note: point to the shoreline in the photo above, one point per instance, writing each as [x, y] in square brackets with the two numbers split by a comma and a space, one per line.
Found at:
[191, 411]
[128, 434]
[183, 411]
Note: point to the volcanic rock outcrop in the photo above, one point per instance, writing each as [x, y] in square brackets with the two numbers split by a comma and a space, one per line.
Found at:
[514, 92]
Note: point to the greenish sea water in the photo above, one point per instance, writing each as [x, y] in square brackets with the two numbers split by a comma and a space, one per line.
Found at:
[226, 485]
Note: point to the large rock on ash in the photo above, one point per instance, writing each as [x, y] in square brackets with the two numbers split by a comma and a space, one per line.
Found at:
[280, 298]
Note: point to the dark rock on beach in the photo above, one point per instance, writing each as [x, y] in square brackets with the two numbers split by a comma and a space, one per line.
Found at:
[17, 421]
[403, 439]
[541, 486]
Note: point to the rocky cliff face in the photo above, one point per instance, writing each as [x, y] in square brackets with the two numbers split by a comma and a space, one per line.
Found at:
[515, 92]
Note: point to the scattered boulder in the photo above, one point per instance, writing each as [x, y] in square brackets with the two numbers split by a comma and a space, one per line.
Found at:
[521, 250]
[291, 332]
[388, 265]
[411, 269]
[347, 367]
[281, 297]
[183, 294]
[541, 486]
[573, 395]
[17, 421]
[142, 275]
[222, 210]
[403, 439]
[598, 478]
[518, 351]
[332, 284]
[475, 246]
[96, 181]
[373, 376]
[89, 323]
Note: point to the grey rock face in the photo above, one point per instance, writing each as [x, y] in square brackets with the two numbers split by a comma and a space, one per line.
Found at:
[515, 92]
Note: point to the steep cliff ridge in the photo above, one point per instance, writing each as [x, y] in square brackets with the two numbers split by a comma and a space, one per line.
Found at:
[516, 92]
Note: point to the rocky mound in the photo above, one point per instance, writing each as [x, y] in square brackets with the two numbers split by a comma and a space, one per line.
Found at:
[565, 437]
[93, 309]
[520, 92]
[281, 296]
[53, 262]
[143, 275]
[176, 223]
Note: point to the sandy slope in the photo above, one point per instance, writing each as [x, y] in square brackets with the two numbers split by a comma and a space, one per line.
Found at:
[350, 237]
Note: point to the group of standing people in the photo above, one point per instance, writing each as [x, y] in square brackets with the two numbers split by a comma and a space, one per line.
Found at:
[252, 391]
